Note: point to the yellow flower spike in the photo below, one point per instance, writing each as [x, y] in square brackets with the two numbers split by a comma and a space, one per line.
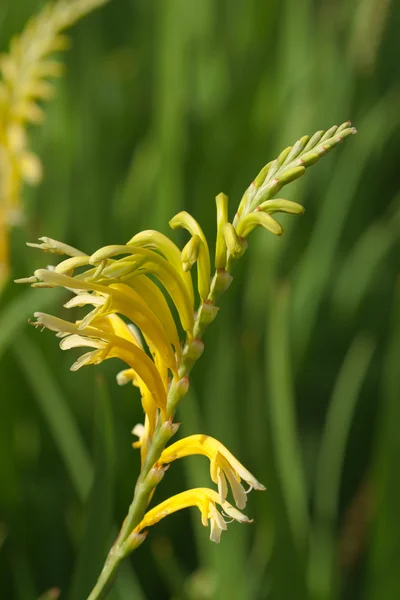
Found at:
[125, 301]
[206, 501]
[118, 347]
[158, 241]
[281, 205]
[254, 219]
[222, 218]
[235, 245]
[190, 253]
[185, 221]
[159, 267]
[223, 465]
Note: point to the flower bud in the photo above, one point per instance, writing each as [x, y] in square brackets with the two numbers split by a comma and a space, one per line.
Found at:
[190, 253]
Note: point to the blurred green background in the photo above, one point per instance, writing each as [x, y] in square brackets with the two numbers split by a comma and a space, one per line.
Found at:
[163, 105]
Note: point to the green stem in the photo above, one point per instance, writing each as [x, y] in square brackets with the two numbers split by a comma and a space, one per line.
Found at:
[147, 481]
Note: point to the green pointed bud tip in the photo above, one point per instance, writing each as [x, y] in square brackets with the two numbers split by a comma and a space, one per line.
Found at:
[283, 156]
[290, 175]
[259, 180]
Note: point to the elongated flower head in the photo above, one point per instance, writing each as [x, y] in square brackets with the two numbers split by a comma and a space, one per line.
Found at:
[206, 501]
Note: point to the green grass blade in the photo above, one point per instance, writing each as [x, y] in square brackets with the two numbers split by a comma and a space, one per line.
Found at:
[282, 416]
[99, 508]
[383, 574]
[363, 261]
[57, 413]
[331, 456]
[15, 315]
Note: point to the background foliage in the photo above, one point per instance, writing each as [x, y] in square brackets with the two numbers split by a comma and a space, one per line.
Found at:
[164, 105]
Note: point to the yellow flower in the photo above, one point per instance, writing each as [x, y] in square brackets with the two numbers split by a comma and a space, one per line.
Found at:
[117, 288]
[223, 465]
[206, 501]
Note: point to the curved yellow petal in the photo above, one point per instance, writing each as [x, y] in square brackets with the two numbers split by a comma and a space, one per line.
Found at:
[158, 241]
[158, 266]
[121, 348]
[186, 221]
[200, 497]
[126, 301]
[210, 447]
[153, 296]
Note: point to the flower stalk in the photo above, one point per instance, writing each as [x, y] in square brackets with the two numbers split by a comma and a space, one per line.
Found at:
[159, 366]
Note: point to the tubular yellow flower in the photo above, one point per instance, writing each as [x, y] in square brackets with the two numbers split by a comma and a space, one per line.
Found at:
[186, 221]
[223, 465]
[206, 501]
[146, 261]
[161, 243]
[102, 336]
[120, 299]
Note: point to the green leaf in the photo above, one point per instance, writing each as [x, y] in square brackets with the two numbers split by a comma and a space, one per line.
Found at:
[99, 508]
[56, 411]
[287, 451]
[384, 574]
[15, 315]
[322, 568]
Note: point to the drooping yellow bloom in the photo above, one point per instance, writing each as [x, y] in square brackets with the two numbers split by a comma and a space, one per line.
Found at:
[206, 501]
[223, 465]
[115, 289]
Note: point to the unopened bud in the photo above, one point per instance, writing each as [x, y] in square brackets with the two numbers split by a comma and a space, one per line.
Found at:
[235, 245]
[190, 253]
[254, 219]
[281, 205]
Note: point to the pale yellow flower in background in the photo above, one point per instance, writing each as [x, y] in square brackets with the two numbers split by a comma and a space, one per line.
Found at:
[223, 465]
[24, 72]
[206, 501]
